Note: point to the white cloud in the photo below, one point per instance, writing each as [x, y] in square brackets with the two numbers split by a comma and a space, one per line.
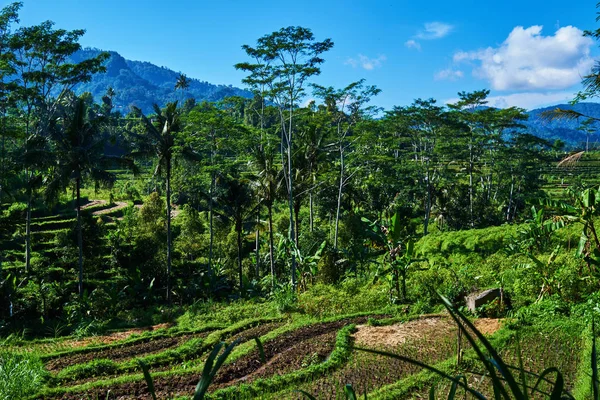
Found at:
[527, 60]
[448, 74]
[434, 30]
[526, 100]
[413, 44]
[366, 62]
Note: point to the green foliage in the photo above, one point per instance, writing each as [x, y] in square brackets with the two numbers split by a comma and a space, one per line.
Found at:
[21, 375]
[350, 296]
[285, 298]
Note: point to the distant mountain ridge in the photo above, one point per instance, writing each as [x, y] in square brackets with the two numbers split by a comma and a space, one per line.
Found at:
[563, 129]
[142, 83]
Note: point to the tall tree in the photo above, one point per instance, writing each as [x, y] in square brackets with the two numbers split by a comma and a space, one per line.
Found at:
[347, 108]
[77, 145]
[283, 61]
[267, 177]
[158, 140]
[236, 204]
[44, 75]
[210, 133]
[420, 125]
[8, 16]
[182, 83]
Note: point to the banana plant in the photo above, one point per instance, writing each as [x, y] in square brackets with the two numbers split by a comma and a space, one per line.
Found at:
[401, 253]
[584, 210]
[536, 234]
[307, 265]
[545, 270]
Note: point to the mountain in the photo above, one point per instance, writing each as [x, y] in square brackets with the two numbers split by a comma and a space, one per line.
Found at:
[142, 83]
[565, 130]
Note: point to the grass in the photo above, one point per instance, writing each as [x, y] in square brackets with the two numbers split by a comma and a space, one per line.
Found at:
[20, 375]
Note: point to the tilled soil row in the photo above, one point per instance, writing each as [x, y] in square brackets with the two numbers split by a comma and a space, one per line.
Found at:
[245, 335]
[311, 351]
[278, 352]
[121, 353]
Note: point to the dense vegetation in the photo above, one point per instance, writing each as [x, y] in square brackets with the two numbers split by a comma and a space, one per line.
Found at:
[132, 243]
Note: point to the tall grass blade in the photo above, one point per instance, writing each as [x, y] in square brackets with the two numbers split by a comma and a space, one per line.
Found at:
[349, 390]
[452, 393]
[558, 386]
[522, 371]
[148, 379]
[261, 350]
[595, 390]
[496, 361]
[211, 367]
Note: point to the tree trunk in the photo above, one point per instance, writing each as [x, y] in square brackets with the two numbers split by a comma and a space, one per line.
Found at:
[168, 230]
[28, 230]
[79, 235]
[510, 199]
[471, 183]
[238, 228]
[296, 219]
[310, 210]
[427, 203]
[339, 200]
[2, 167]
[210, 227]
[271, 247]
[403, 276]
[292, 234]
[257, 242]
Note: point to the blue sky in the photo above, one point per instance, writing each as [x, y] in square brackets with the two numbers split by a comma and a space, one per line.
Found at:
[528, 53]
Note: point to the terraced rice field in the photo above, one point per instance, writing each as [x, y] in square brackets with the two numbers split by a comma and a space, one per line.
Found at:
[312, 356]
[315, 356]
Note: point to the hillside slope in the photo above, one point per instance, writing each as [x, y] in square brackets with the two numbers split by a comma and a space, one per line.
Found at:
[142, 83]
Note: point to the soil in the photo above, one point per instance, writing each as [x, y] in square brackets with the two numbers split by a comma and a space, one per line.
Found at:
[394, 335]
[285, 353]
[121, 353]
[98, 340]
[488, 326]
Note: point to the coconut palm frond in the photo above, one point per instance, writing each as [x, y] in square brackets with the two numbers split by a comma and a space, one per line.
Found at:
[570, 160]
[560, 113]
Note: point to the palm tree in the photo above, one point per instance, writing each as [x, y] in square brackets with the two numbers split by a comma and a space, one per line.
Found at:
[77, 144]
[236, 205]
[159, 141]
[268, 178]
[182, 83]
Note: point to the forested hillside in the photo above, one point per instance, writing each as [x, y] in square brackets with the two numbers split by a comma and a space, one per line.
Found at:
[143, 84]
[574, 132]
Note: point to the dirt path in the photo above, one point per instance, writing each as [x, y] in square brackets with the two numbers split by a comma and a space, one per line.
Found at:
[118, 206]
[394, 335]
[93, 203]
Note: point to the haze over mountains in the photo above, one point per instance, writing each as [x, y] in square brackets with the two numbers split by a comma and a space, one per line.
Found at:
[142, 84]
